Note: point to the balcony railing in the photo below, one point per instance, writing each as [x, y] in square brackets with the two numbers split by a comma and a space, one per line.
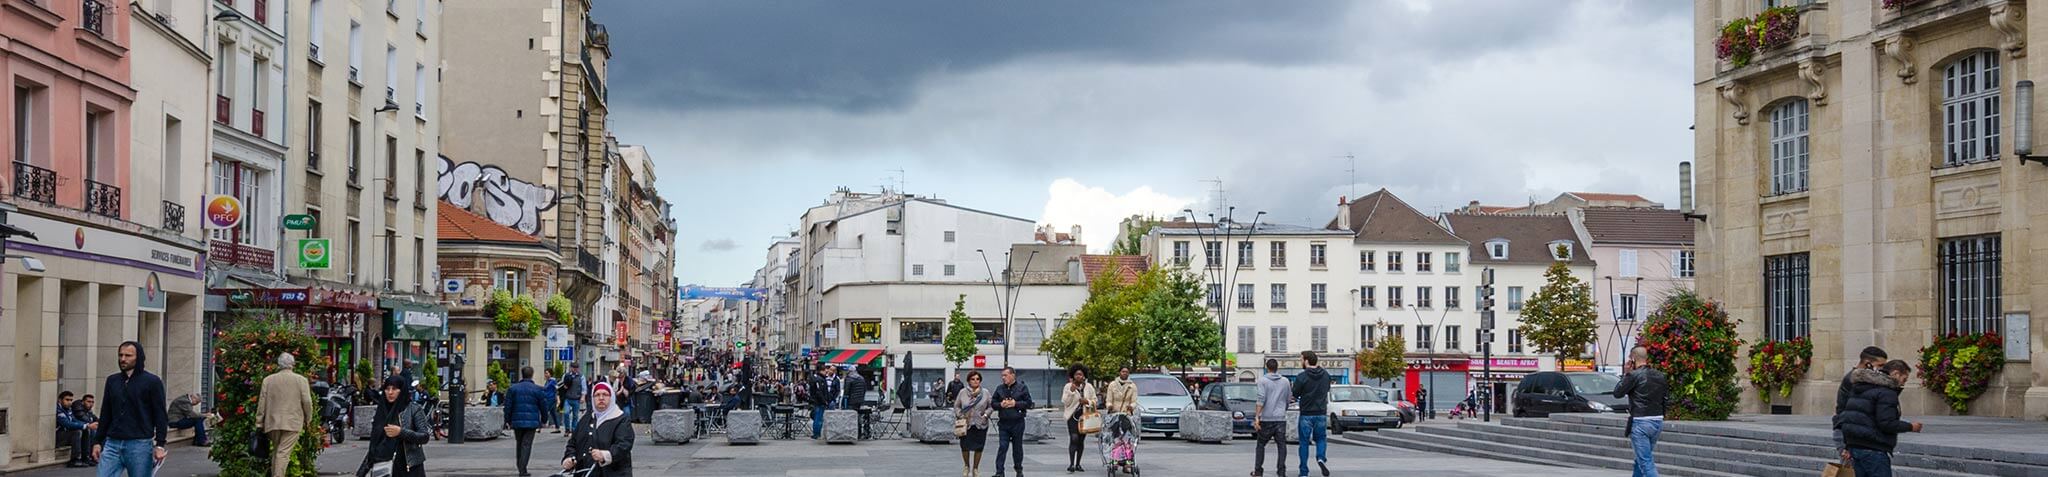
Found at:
[94, 17]
[174, 216]
[223, 109]
[589, 263]
[35, 183]
[230, 253]
[102, 199]
[256, 122]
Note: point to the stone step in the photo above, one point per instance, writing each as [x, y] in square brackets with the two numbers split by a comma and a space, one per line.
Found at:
[1415, 440]
[1969, 460]
[1733, 462]
[1670, 446]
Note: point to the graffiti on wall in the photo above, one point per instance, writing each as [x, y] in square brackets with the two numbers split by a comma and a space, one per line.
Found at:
[510, 202]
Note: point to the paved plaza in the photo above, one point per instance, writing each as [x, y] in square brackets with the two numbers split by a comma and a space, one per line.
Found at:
[804, 458]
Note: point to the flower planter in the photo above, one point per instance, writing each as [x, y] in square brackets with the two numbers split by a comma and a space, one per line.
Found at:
[1742, 40]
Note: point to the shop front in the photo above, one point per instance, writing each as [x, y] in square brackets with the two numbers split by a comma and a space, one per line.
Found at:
[335, 318]
[1500, 379]
[412, 331]
[1445, 378]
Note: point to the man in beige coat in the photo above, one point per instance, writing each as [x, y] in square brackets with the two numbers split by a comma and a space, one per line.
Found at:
[282, 410]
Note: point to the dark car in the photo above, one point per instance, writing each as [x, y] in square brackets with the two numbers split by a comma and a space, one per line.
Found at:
[1391, 396]
[1241, 399]
[1542, 394]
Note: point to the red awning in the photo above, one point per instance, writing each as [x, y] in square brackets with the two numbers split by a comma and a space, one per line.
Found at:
[851, 356]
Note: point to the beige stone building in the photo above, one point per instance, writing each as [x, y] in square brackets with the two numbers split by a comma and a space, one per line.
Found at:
[1859, 185]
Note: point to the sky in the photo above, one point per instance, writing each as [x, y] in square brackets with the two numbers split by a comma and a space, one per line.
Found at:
[1080, 112]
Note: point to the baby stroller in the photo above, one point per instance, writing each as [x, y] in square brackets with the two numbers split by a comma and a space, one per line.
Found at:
[1119, 446]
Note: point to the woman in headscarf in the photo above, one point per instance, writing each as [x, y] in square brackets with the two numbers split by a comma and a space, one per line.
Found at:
[604, 439]
[972, 405]
[398, 431]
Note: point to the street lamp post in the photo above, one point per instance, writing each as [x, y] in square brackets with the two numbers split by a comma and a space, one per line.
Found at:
[1429, 355]
[1222, 275]
[1006, 299]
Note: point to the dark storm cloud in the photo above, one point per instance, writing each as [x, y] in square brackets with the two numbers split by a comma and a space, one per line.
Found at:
[861, 56]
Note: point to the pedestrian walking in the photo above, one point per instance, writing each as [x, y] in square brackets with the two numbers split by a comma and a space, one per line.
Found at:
[1646, 390]
[972, 404]
[825, 389]
[1871, 358]
[527, 402]
[1312, 392]
[552, 415]
[571, 390]
[604, 440]
[284, 405]
[1270, 418]
[399, 429]
[75, 430]
[1076, 398]
[1012, 400]
[133, 425]
[184, 414]
[1122, 397]
[1870, 420]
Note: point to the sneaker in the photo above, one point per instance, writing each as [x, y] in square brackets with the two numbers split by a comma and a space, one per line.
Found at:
[1325, 466]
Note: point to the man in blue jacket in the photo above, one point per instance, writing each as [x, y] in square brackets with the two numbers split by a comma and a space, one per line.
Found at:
[74, 431]
[524, 405]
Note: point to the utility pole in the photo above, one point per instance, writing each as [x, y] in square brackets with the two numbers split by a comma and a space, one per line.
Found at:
[1222, 274]
[1486, 341]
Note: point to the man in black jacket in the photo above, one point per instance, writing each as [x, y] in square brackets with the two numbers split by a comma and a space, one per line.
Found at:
[1646, 390]
[1869, 422]
[1871, 358]
[1012, 400]
[133, 423]
[1312, 395]
[824, 389]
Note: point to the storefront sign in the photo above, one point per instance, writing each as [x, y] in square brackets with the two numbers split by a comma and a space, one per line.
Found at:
[151, 297]
[223, 212]
[407, 320]
[1506, 363]
[88, 242]
[314, 253]
[300, 222]
[1439, 365]
[619, 332]
[557, 337]
[1576, 364]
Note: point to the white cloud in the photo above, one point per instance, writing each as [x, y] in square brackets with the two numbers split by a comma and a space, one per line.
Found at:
[1098, 211]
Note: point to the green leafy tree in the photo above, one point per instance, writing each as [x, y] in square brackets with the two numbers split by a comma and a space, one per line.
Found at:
[1134, 229]
[1560, 317]
[1386, 360]
[500, 377]
[246, 353]
[1178, 331]
[430, 375]
[1104, 333]
[960, 334]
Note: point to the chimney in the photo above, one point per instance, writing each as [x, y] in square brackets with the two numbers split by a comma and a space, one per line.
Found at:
[1074, 274]
[1685, 187]
[1076, 236]
[1343, 213]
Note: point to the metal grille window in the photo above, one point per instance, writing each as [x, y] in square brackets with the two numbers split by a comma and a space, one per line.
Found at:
[1788, 298]
[1365, 262]
[1180, 253]
[1212, 253]
[1789, 147]
[1279, 340]
[1393, 261]
[1244, 254]
[1969, 105]
[1319, 339]
[1422, 261]
[1215, 295]
[1279, 296]
[1244, 296]
[1246, 335]
[1970, 285]
[1625, 307]
[1279, 254]
[1318, 296]
[1318, 255]
[1365, 297]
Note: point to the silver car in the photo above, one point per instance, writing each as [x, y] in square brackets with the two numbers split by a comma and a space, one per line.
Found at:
[1161, 398]
[1361, 408]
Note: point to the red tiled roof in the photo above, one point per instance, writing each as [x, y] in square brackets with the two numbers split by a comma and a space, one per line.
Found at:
[1637, 226]
[1380, 217]
[459, 225]
[1128, 267]
[1593, 196]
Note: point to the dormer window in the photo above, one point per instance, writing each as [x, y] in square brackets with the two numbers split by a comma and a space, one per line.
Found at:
[1561, 250]
[1497, 248]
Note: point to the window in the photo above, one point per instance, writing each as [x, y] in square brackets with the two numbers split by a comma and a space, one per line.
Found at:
[1365, 297]
[1180, 252]
[250, 191]
[174, 140]
[419, 181]
[419, 261]
[1423, 337]
[1279, 340]
[25, 119]
[95, 143]
[1788, 147]
[1244, 296]
[1451, 262]
[224, 174]
[1625, 307]
[1393, 261]
[1279, 255]
[1422, 261]
[390, 73]
[1393, 297]
[1244, 255]
[865, 331]
[1317, 255]
[1317, 296]
[1368, 337]
[920, 332]
[988, 333]
[1561, 250]
[1514, 298]
[355, 151]
[390, 257]
[950, 236]
[1279, 296]
[419, 90]
[1212, 253]
[1683, 264]
[917, 269]
[313, 132]
[390, 167]
[1246, 335]
[355, 53]
[1365, 262]
[1396, 330]
[1319, 339]
[1514, 340]
[1215, 295]
[1628, 262]
[1422, 297]
[1452, 337]
[1451, 297]
[318, 225]
[355, 250]
[224, 79]
[1787, 296]
[1970, 285]
[508, 281]
[1498, 249]
[1969, 105]
[315, 36]
[949, 269]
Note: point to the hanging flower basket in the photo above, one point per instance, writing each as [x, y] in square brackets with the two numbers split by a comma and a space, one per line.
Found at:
[1692, 340]
[1960, 367]
[1742, 39]
[1774, 366]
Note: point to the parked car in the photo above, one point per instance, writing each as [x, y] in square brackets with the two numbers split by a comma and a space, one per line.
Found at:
[1393, 396]
[1240, 399]
[1542, 394]
[1361, 408]
[1161, 398]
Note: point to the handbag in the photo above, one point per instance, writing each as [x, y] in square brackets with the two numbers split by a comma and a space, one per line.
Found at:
[1091, 422]
[960, 427]
[259, 446]
[1836, 469]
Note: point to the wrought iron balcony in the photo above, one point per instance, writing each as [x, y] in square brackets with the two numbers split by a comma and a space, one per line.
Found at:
[102, 199]
[230, 253]
[223, 109]
[35, 183]
[94, 16]
[174, 217]
[256, 122]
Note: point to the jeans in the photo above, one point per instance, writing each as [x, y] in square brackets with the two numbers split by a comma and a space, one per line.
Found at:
[135, 457]
[198, 426]
[1011, 437]
[1314, 429]
[1642, 436]
[524, 442]
[575, 408]
[817, 421]
[1275, 431]
[1871, 463]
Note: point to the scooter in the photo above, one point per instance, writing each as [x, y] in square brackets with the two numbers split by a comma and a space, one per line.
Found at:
[334, 412]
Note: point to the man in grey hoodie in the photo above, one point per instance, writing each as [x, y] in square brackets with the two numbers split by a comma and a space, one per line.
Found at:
[1271, 420]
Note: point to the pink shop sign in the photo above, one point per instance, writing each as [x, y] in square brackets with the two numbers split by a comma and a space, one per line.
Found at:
[1507, 363]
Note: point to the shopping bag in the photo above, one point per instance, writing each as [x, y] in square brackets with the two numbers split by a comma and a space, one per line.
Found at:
[960, 427]
[1091, 422]
[1837, 470]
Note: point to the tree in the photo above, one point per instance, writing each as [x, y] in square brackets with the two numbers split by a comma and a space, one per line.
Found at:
[1560, 317]
[246, 353]
[1178, 330]
[500, 377]
[1103, 334]
[960, 334]
[1386, 360]
[1133, 238]
[430, 375]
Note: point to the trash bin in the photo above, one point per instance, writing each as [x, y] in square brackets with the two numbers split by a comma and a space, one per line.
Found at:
[643, 407]
[672, 400]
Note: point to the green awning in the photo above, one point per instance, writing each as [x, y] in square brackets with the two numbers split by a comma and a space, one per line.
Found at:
[415, 321]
